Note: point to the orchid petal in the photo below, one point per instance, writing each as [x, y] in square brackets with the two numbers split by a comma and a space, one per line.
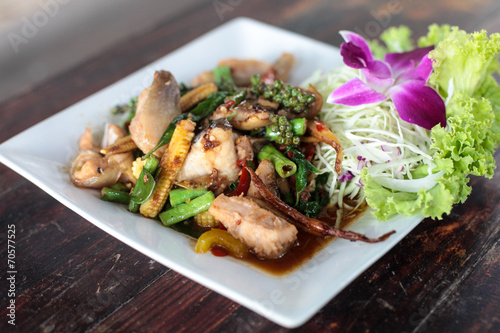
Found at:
[379, 69]
[418, 104]
[353, 56]
[359, 41]
[377, 83]
[355, 92]
[421, 72]
[406, 60]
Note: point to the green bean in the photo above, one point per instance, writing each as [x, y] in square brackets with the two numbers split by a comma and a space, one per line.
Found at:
[299, 126]
[181, 195]
[283, 165]
[133, 206]
[119, 187]
[184, 211]
[112, 195]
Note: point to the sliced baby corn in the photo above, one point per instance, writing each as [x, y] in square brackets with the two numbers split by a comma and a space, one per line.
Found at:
[122, 145]
[137, 166]
[205, 219]
[195, 96]
[170, 163]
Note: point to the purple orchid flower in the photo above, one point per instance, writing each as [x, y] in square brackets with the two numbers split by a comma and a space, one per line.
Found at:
[401, 77]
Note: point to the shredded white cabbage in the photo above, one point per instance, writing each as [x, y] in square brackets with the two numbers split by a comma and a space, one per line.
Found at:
[372, 136]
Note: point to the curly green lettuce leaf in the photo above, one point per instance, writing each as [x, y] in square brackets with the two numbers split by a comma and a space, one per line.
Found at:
[437, 33]
[464, 148]
[387, 203]
[463, 60]
[468, 142]
[398, 39]
[395, 39]
[490, 90]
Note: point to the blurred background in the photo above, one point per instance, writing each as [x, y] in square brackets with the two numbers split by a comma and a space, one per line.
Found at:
[42, 38]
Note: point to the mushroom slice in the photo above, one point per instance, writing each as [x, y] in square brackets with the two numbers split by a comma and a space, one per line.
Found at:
[157, 106]
[91, 169]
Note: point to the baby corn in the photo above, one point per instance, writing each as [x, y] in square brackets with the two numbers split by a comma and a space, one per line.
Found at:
[195, 96]
[170, 164]
[205, 219]
[122, 145]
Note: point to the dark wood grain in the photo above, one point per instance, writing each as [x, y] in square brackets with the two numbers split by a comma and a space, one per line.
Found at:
[443, 277]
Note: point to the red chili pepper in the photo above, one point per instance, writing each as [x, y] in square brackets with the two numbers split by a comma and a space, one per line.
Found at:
[319, 125]
[230, 103]
[244, 183]
[269, 77]
[241, 162]
[219, 251]
[309, 152]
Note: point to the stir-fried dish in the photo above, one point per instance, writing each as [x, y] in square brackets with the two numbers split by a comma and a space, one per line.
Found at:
[227, 159]
[249, 164]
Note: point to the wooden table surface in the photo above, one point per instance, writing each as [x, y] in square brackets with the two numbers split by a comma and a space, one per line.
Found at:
[443, 277]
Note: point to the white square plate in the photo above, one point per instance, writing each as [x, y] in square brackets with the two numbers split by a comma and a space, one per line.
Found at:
[289, 300]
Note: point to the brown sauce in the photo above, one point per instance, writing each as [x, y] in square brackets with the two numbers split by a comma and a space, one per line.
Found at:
[306, 247]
